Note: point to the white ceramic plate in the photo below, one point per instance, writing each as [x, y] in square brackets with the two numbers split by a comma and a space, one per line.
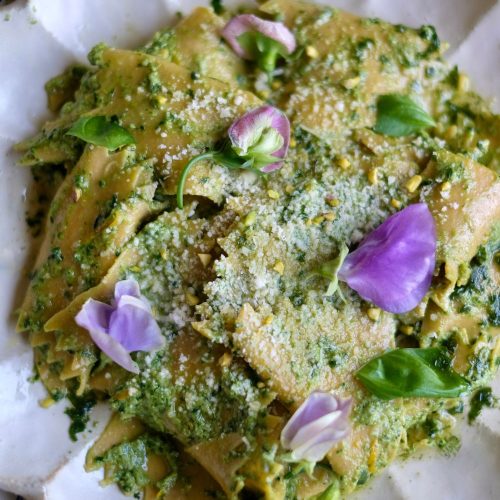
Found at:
[38, 39]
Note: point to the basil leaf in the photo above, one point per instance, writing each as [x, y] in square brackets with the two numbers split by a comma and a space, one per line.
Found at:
[398, 115]
[101, 132]
[217, 6]
[412, 373]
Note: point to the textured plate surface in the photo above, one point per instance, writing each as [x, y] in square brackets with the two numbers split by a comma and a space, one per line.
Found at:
[38, 38]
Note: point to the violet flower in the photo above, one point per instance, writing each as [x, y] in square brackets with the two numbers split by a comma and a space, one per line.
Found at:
[258, 141]
[320, 422]
[393, 265]
[254, 38]
[125, 326]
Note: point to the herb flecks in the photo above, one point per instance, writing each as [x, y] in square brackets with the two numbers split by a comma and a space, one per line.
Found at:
[79, 412]
[482, 398]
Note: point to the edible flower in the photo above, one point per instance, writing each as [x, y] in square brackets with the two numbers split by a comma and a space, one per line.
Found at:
[125, 326]
[258, 141]
[320, 422]
[393, 265]
[259, 40]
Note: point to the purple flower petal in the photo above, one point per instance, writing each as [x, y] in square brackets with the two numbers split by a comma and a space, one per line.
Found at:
[247, 130]
[94, 316]
[393, 266]
[127, 287]
[320, 422]
[132, 325]
[126, 326]
[114, 350]
[248, 22]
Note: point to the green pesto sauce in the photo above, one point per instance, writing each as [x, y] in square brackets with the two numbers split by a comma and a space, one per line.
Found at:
[482, 398]
[79, 412]
[210, 406]
[126, 463]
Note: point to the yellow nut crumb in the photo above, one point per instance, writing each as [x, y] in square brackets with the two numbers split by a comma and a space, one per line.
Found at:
[309, 222]
[268, 319]
[163, 254]
[318, 219]
[413, 183]
[395, 203]
[372, 458]
[312, 52]
[451, 132]
[351, 83]
[274, 195]
[373, 313]
[293, 143]
[135, 269]
[261, 385]
[250, 218]
[192, 300]
[406, 329]
[373, 176]
[160, 99]
[205, 258]
[343, 163]
[463, 83]
[276, 84]
[76, 194]
[289, 189]
[47, 402]
[264, 94]
[329, 216]
[279, 267]
[225, 360]
[309, 187]
[333, 202]
[446, 186]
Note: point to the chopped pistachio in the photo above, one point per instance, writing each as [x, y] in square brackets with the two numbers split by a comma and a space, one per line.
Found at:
[279, 267]
[395, 203]
[293, 143]
[343, 163]
[192, 300]
[318, 219]
[225, 360]
[205, 258]
[413, 183]
[373, 313]
[351, 83]
[289, 189]
[276, 84]
[406, 329]
[463, 83]
[445, 186]
[312, 52]
[76, 194]
[373, 176]
[47, 402]
[329, 216]
[250, 218]
[333, 202]
[268, 319]
[274, 195]
[163, 254]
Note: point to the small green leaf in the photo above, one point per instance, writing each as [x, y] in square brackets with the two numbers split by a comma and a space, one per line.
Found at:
[101, 132]
[412, 373]
[217, 6]
[398, 115]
